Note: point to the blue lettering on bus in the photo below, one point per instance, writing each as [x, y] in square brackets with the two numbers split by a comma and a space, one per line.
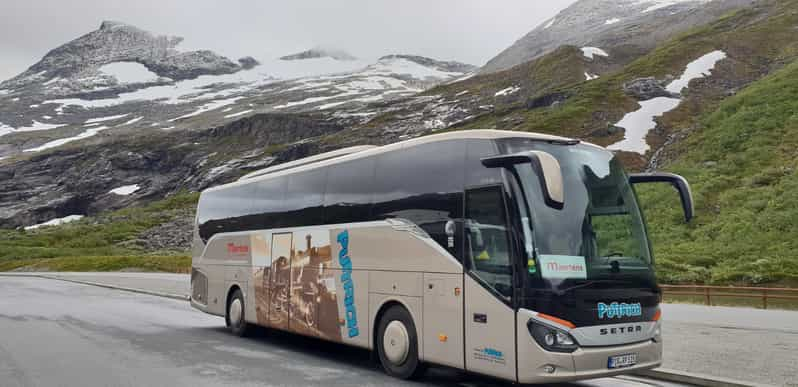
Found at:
[349, 286]
[619, 310]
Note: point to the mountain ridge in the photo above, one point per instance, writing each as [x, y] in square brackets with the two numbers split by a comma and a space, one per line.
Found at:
[626, 28]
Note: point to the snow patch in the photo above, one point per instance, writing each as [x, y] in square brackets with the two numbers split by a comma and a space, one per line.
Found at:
[612, 21]
[550, 23]
[507, 91]
[659, 4]
[50, 82]
[314, 100]
[590, 77]
[125, 190]
[197, 89]
[56, 143]
[238, 114]
[55, 222]
[106, 118]
[699, 68]
[133, 121]
[638, 123]
[5, 129]
[590, 52]
[213, 105]
[331, 105]
[129, 72]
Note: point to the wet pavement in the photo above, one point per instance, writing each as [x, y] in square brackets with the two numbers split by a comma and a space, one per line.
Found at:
[56, 333]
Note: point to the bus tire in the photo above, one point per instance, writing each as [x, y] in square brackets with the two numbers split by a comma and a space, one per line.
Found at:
[235, 314]
[397, 344]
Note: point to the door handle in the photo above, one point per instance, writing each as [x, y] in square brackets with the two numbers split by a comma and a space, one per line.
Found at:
[480, 318]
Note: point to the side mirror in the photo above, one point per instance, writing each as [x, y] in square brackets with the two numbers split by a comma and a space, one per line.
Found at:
[545, 166]
[678, 182]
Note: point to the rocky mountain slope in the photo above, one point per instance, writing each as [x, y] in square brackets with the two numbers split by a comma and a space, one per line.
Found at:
[624, 28]
[119, 79]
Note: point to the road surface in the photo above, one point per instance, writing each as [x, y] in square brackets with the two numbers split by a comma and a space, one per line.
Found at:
[55, 333]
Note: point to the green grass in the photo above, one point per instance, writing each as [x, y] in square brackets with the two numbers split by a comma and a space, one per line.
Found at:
[743, 167]
[162, 263]
[101, 243]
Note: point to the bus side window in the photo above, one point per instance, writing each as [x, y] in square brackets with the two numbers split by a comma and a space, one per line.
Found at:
[424, 184]
[348, 192]
[487, 243]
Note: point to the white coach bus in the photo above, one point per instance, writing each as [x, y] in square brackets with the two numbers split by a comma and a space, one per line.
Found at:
[515, 255]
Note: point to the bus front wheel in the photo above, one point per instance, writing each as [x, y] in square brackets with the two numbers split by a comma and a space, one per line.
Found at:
[235, 314]
[397, 344]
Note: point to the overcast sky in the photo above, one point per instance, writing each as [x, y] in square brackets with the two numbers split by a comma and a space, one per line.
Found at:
[469, 31]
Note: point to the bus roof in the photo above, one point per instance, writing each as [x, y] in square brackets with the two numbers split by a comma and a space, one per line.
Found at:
[356, 152]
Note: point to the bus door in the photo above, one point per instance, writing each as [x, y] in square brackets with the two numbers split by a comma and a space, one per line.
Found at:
[279, 293]
[488, 285]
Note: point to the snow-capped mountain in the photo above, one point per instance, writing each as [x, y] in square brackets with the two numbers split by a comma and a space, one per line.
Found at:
[630, 28]
[120, 79]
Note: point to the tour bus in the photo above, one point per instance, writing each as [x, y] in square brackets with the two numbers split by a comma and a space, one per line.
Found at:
[515, 255]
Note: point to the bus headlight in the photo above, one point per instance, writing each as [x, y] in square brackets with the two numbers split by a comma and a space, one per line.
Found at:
[550, 338]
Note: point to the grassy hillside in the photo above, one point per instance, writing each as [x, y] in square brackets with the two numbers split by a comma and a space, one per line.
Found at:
[743, 166]
[757, 41]
[106, 242]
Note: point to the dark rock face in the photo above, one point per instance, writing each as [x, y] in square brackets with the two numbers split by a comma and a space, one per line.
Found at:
[647, 88]
[548, 100]
[248, 62]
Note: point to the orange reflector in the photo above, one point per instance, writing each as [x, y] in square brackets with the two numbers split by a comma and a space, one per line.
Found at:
[658, 314]
[443, 338]
[456, 291]
[557, 320]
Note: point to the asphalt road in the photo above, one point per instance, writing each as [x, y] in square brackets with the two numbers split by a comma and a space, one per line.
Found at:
[55, 333]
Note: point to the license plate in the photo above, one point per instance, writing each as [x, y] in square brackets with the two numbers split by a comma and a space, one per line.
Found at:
[621, 361]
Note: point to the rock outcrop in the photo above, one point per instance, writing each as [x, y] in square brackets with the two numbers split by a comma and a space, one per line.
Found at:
[647, 88]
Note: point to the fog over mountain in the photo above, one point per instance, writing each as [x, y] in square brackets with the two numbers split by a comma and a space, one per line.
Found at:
[468, 31]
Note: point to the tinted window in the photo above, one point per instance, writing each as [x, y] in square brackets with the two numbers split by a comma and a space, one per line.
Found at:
[225, 210]
[476, 173]
[423, 184]
[488, 246]
[349, 191]
[303, 198]
[268, 206]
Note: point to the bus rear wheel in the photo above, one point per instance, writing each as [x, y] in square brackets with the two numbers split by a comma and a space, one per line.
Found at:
[235, 314]
[397, 344]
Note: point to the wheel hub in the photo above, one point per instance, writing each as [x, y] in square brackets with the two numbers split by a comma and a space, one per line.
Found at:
[396, 342]
[235, 312]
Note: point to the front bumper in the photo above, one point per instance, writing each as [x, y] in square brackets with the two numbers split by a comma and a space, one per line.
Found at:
[583, 363]
[588, 363]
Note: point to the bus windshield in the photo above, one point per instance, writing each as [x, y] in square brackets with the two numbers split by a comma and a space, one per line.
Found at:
[598, 234]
